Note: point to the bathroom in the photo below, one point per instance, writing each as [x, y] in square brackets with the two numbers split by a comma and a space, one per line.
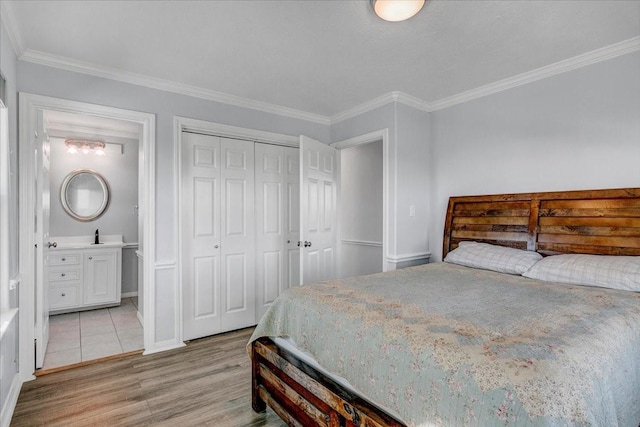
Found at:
[92, 269]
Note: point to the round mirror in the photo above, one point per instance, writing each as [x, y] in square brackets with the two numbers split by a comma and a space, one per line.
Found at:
[84, 194]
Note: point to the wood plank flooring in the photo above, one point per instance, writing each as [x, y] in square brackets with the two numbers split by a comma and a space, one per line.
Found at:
[207, 383]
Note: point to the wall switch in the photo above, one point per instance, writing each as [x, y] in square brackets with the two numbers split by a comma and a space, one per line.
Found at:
[412, 210]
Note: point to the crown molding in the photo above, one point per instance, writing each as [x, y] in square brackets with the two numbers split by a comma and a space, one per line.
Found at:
[595, 56]
[68, 64]
[9, 21]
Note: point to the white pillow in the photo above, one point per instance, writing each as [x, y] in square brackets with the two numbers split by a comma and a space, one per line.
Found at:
[615, 272]
[491, 257]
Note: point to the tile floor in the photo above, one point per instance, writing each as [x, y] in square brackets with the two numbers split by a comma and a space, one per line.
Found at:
[88, 335]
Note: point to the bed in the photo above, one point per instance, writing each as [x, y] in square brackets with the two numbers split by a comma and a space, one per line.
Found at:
[453, 344]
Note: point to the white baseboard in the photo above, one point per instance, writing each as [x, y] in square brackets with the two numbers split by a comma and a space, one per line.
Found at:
[10, 404]
[164, 346]
[129, 295]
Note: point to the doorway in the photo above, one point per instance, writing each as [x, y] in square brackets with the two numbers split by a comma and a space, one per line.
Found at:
[45, 121]
[361, 210]
[364, 234]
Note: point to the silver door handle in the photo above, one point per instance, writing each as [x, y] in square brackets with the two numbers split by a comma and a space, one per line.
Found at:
[299, 242]
[52, 244]
[216, 247]
[307, 244]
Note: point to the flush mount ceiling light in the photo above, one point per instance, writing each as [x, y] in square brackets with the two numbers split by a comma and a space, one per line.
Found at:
[84, 146]
[396, 10]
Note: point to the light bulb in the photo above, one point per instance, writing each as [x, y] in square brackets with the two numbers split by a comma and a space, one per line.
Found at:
[396, 10]
[72, 150]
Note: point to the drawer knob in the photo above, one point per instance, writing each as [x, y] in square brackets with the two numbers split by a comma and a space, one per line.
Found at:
[64, 259]
[63, 274]
[90, 257]
[63, 294]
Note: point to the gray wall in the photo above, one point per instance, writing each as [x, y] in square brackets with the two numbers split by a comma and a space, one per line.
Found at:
[120, 171]
[408, 171]
[576, 130]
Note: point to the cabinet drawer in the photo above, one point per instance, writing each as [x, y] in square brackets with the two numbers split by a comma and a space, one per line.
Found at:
[62, 275]
[64, 297]
[64, 259]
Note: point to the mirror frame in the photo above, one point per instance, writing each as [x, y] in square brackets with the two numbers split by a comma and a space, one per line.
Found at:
[105, 192]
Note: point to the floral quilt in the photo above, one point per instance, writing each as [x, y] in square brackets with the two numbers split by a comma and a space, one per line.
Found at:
[446, 345]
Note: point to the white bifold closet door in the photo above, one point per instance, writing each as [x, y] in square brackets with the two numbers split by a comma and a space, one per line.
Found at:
[277, 222]
[217, 234]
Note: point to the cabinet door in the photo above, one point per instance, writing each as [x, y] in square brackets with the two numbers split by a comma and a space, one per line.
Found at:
[100, 277]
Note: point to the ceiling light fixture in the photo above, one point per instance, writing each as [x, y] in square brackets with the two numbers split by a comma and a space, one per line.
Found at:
[396, 10]
[85, 146]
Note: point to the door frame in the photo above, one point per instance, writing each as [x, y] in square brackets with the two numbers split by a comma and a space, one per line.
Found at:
[375, 136]
[185, 124]
[29, 104]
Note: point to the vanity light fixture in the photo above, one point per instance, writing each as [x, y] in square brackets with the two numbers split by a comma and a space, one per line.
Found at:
[396, 10]
[85, 146]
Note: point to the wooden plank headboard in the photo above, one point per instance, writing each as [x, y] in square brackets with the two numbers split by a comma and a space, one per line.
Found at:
[604, 222]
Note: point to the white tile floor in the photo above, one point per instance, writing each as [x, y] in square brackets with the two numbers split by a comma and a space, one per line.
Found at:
[88, 335]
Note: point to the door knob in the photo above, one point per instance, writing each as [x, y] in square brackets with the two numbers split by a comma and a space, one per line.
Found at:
[215, 247]
[52, 244]
[307, 244]
[299, 242]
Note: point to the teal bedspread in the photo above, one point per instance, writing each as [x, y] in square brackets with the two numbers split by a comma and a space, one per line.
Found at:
[445, 345]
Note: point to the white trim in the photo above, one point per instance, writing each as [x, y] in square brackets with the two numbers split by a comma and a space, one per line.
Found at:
[29, 104]
[5, 195]
[9, 21]
[140, 318]
[595, 56]
[378, 135]
[164, 346]
[129, 294]
[165, 265]
[10, 401]
[361, 243]
[185, 124]
[408, 257]
[91, 69]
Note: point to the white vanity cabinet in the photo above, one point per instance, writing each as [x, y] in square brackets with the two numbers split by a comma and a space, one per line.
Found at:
[84, 278]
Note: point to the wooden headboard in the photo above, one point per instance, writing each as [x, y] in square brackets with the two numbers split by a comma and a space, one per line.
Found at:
[604, 222]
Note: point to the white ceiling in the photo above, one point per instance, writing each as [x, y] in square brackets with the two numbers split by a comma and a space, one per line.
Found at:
[321, 57]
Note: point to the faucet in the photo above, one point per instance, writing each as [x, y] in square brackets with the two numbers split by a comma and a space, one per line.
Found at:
[97, 239]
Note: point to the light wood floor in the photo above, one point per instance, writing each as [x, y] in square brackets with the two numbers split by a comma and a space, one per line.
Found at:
[207, 383]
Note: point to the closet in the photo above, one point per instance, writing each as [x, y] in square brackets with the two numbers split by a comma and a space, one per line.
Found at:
[239, 219]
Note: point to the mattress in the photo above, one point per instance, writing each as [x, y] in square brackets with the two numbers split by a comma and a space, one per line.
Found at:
[443, 344]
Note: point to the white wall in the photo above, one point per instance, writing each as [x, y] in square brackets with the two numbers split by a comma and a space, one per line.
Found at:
[576, 130]
[119, 168]
[361, 209]
[49, 81]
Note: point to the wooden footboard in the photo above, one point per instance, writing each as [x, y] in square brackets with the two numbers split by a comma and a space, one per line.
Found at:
[303, 396]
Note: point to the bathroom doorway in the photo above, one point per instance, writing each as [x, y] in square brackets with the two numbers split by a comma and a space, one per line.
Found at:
[92, 281]
[45, 126]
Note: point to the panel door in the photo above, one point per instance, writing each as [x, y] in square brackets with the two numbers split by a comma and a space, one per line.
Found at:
[100, 281]
[200, 232]
[238, 296]
[318, 214]
[42, 240]
[292, 217]
[277, 222]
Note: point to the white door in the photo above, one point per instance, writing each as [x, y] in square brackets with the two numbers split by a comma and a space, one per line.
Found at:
[318, 213]
[238, 234]
[277, 222]
[218, 234]
[200, 229]
[100, 270]
[42, 240]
